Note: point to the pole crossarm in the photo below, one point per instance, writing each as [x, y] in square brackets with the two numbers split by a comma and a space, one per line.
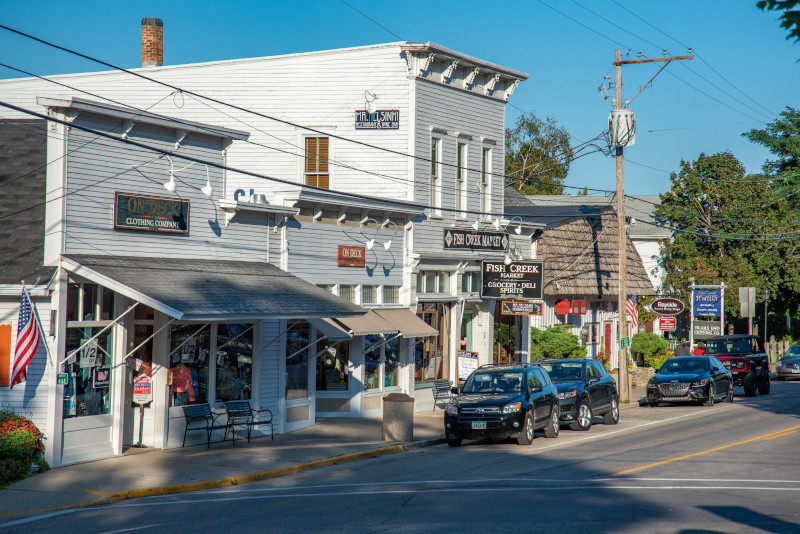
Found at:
[619, 62]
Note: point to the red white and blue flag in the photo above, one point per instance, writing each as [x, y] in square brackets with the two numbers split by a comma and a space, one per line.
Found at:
[633, 312]
[27, 340]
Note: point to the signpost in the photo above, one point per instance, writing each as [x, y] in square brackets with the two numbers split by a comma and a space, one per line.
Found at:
[142, 394]
[707, 301]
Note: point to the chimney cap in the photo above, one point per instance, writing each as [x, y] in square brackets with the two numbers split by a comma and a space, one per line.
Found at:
[152, 22]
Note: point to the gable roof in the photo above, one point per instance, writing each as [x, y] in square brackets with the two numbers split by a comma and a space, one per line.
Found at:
[23, 161]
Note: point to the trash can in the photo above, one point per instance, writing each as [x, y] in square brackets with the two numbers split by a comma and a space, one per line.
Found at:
[398, 417]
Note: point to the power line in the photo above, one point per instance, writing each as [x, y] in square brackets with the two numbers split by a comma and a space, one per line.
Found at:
[371, 19]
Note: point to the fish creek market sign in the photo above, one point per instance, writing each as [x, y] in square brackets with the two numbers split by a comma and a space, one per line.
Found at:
[153, 214]
[467, 239]
[519, 279]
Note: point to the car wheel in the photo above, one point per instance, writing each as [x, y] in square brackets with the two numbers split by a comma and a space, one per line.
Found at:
[453, 441]
[652, 404]
[729, 396]
[763, 384]
[553, 426]
[712, 393]
[748, 383]
[584, 418]
[611, 417]
[526, 436]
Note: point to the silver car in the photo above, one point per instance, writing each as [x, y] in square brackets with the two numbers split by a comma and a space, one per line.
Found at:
[789, 364]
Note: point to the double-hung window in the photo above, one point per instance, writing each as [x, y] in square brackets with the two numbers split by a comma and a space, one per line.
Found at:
[486, 180]
[316, 171]
[436, 176]
[461, 179]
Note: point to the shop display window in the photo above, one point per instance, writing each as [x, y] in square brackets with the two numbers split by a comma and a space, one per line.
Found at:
[372, 361]
[234, 362]
[333, 361]
[297, 340]
[391, 352]
[190, 346]
[429, 356]
[88, 388]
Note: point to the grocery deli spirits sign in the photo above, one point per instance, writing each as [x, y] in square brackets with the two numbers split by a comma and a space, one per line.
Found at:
[382, 119]
[153, 214]
[349, 256]
[518, 279]
[467, 239]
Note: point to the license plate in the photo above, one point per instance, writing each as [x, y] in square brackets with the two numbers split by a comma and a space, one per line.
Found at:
[796, 370]
[479, 425]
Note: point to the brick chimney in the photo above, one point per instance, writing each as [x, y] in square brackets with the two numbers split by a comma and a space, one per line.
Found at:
[152, 43]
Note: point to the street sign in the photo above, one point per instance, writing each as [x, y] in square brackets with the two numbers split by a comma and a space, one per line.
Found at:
[667, 324]
[62, 379]
[626, 342]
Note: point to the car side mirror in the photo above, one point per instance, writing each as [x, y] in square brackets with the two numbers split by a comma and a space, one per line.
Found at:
[536, 389]
[454, 391]
[593, 379]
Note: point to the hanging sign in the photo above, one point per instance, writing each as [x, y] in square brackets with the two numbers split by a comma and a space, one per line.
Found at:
[467, 362]
[563, 307]
[520, 307]
[471, 240]
[142, 390]
[350, 256]
[667, 324]
[518, 279]
[154, 214]
[667, 306]
[88, 355]
[707, 303]
[382, 119]
[578, 307]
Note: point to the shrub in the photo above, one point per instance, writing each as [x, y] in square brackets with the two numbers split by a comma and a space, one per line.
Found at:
[555, 342]
[21, 446]
[650, 348]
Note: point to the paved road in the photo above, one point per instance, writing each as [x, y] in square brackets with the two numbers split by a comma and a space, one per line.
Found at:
[728, 468]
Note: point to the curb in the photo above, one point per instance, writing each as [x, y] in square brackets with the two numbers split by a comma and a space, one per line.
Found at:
[242, 479]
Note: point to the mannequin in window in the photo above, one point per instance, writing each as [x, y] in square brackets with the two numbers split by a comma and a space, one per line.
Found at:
[182, 384]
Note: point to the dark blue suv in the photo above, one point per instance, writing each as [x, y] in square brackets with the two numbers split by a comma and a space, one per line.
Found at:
[503, 401]
[585, 389]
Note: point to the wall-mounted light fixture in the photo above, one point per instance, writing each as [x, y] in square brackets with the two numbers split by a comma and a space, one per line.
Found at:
[369, 102]
[207, 190]
[170, 186]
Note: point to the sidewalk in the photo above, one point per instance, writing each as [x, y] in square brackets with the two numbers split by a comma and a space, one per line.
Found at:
[145, 472]
[148, 472]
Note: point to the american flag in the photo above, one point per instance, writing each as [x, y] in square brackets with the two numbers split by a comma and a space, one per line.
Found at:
[633, 311]
[27, 340]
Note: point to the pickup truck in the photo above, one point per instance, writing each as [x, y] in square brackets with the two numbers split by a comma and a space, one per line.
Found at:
[744, 355]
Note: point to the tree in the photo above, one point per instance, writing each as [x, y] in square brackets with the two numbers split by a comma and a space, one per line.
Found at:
[782, 138]
[790, 18]
[714, 207]
[538, 155]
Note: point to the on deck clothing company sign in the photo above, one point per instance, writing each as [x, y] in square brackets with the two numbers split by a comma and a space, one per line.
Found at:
[519, 279]
[467, 239]
[153, 214]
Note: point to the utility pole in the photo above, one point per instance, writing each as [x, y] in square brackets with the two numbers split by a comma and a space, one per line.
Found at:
[622, 297]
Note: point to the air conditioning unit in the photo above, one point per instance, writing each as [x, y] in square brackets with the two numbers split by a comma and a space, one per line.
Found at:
[621, 128]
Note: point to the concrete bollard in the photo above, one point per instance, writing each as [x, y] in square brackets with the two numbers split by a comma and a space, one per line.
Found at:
[398, 417]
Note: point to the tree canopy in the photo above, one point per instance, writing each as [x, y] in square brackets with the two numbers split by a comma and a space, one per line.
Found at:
[782, 138]
[790, 19]
[538, 155]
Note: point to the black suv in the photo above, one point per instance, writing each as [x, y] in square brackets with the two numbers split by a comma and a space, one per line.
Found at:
[585, 389]
[503, 401]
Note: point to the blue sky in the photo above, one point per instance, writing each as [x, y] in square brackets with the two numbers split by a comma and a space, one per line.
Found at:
[744, 74]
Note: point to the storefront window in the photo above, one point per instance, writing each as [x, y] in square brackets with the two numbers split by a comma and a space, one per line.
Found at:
[189, 349]
[88, 387]
[391, 294]
[333, 359]
[297, 340]
[234, 361]
[429, 354]
[348, 292]
[372, 361]
[391, 354]
[369, 294]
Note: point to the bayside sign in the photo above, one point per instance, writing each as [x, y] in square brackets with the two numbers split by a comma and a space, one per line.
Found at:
[667, 306]
[519, 279]
[467, 239]
[152, 214]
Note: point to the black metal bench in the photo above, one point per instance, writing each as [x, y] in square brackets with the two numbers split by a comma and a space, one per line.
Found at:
[201, 416]
[240, 413]
[441, 391]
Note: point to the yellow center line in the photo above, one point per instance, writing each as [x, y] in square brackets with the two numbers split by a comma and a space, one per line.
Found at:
[782, 435]
[773, 434]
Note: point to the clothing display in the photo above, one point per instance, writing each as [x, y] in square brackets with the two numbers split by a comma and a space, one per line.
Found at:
[182, 381]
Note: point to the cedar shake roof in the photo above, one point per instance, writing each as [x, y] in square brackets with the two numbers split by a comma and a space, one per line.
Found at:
[581, 254]
[22, 192]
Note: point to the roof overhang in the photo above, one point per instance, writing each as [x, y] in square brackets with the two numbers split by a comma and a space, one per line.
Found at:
[196, 289]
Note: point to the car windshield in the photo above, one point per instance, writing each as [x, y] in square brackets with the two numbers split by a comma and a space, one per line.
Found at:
[563, 371]
[494, 382]
[731, 346]
[683, 365]
[793, 352]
